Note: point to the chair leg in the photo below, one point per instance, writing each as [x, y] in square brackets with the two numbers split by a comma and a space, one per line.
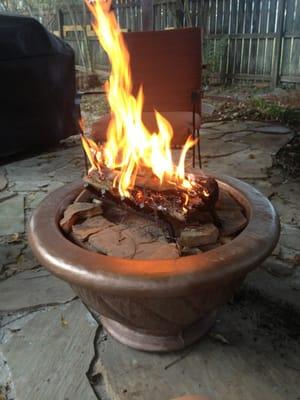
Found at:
[194, 135]
[199, 148]
[80, 128]
[194, 151]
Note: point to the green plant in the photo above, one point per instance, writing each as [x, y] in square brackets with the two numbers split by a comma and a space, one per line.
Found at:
[214, 51]
[269, 110]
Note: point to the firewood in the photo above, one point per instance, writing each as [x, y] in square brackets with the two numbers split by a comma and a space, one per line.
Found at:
[166, 201]
[83, 197]
[142, 180]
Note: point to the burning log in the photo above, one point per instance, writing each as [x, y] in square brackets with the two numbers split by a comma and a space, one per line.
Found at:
[171, 202]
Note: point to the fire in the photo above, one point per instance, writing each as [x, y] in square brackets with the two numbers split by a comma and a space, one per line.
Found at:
[130, 147]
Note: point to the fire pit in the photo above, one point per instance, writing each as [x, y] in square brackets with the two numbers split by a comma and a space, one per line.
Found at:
[157, 296]
[155, 305]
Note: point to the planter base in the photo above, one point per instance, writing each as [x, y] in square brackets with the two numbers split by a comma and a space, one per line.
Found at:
[147, 342]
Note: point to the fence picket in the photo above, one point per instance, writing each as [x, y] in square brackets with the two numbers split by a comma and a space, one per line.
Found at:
[226, 21]
[219, 16]
[297, 17]
[247, 39]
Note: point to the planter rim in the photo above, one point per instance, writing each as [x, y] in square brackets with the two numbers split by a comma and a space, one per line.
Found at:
[164, 278]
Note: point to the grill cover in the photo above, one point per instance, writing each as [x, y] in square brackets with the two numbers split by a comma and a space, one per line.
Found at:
[37, 86]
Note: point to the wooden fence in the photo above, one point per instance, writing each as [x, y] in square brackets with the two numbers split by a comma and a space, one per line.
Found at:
[245, 40]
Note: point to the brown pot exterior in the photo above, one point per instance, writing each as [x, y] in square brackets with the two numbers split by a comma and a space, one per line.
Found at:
[159, 297]
[160, 315]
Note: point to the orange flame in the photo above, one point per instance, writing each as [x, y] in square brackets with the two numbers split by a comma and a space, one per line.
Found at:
[130, 146]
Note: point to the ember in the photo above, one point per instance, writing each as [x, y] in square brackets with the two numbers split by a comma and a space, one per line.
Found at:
[162, 200]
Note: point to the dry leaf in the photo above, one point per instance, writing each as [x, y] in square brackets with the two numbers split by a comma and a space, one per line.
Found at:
[64, 322]
[15, 237]
[220, 338]
[20, 259]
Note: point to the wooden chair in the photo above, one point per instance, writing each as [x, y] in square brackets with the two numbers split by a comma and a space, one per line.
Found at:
[169, 66]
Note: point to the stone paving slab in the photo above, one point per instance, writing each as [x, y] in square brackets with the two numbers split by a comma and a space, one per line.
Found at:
[235, 136]
[15, 256]
[49, 357]
[256, 124]
[288, 211]
[243, 165]
[68, 173]
[295, 284]
[271, 142]
[233, 126]
[19, 172]
[278, 268]
[212, 124]
[42, 167]
[276, 129]
[3, 180]
[290, 237]
[213, 148]
[279, 289]
[9, 254]
[32, 289]
[210, 133]
[260, 361]
[6, 194]
[12, 215]
[34, 198]
[236, 149]
[30, 186]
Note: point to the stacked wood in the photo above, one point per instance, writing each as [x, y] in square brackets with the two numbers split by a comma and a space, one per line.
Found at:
[166, 200]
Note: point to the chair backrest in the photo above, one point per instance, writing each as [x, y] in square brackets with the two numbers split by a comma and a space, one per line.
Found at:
[168, 64]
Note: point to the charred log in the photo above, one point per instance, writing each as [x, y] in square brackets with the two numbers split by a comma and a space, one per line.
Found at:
[174, 204]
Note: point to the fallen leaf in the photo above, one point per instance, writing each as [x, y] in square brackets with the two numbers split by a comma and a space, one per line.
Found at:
[20, 259]
[64, 322]
[219, 338]
[15, 237]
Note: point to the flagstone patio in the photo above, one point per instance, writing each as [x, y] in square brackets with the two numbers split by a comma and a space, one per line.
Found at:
[51, 347]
